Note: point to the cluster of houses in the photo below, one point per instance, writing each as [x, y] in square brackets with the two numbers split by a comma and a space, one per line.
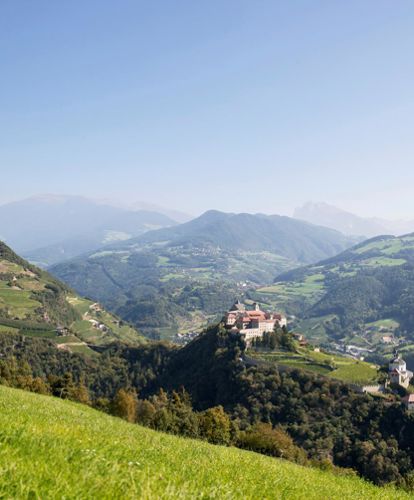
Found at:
[252, 323]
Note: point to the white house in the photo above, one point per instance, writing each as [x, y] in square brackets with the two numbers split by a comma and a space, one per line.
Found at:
[398, 373]
[409, 402]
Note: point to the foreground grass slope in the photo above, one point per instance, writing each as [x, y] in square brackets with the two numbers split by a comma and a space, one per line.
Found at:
[57, 449]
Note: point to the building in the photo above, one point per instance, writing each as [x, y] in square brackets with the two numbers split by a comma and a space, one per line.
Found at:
[398, 373]
[409, 402]
[252, 323]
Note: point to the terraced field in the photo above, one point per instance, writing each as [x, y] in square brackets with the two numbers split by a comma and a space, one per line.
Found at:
[337, 367]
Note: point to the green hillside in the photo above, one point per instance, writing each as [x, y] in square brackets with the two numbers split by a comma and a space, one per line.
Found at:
[59, 449]
[36, 304]
[360, 296]
[176, 280]
[330, 365]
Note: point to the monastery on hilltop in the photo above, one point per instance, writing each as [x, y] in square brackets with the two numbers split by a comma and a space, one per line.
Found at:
[252, 323]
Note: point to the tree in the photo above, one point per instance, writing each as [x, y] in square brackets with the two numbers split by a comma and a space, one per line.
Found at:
[124, 405]
[215, 426]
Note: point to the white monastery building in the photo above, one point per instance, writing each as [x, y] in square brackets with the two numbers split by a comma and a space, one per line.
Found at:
[252, 323]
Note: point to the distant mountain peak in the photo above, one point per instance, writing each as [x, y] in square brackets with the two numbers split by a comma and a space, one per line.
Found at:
[348, 223]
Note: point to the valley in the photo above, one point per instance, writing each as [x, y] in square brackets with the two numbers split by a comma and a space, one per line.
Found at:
[177, 280]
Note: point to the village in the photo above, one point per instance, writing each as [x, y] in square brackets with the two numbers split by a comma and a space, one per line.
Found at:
[252, 323]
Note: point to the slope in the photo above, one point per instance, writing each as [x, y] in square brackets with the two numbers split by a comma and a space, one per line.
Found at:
[175, 280]
[33, 302]
[358, 297]
[60, 449]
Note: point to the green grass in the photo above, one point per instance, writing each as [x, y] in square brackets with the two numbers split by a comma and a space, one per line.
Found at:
[342, 368]
[57, 449]
[8, 329]
[19, 302]
[383, 262]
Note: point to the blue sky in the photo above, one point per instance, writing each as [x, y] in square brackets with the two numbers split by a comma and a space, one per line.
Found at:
[240, 106]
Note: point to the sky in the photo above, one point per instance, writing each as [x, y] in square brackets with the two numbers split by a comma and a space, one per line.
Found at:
[253, 106]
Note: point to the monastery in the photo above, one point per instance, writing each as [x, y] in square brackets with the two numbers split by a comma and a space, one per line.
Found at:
[252, 323]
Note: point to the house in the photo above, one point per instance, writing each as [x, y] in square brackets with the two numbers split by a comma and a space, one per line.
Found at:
[398, 373]
[300, 338]
[409, 402]
[252, 323]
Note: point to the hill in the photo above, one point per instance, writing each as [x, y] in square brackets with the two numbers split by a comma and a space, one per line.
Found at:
[362, 297]
[95, 455]
[49, 229]
[34, 302]
[349, 223]
[174, 280]
[325, 421]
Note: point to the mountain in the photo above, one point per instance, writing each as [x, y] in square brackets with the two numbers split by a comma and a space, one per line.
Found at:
[49, 229]
[357, 297]
[143, 463]
[34, 302]
[292, 239]
[175, 280]
[348, 223]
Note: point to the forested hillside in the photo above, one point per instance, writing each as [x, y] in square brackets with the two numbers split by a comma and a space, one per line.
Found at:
[359, 296]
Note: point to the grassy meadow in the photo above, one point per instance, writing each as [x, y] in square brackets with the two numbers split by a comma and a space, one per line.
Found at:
[57, 449]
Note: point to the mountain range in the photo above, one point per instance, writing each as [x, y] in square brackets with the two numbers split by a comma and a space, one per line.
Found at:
[349, 223]
[49, 228]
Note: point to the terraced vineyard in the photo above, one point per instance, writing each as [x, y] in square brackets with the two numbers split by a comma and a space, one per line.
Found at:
[337, 367]
[38, 305]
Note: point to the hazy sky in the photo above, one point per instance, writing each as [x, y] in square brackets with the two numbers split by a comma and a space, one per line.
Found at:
[236, 105]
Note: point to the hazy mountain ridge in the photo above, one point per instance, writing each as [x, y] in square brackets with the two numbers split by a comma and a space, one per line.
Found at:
[293, 239]
[349, 223]
[48, 229]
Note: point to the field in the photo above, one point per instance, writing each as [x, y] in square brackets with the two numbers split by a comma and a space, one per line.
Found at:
[58, 449]
[337, 367]
[85, 330]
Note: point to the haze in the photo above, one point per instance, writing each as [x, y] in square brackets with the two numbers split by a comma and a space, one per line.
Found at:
[239, 106]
